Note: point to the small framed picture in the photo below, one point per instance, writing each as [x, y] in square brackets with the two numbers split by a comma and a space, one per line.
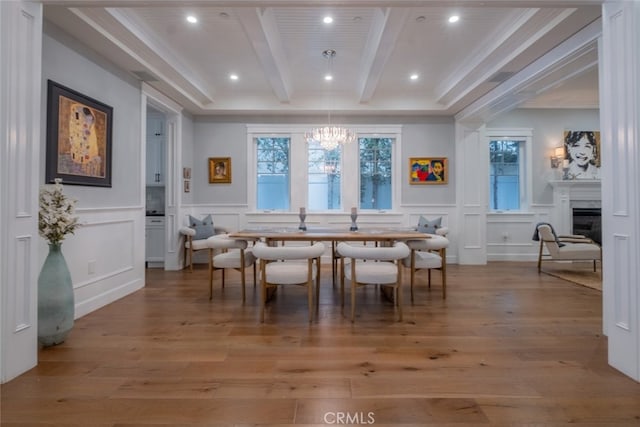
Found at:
[186, 173]
[428, 170]
[219, 170]
[187, 186]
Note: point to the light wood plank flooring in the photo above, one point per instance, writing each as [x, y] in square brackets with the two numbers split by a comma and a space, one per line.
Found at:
[508, 347]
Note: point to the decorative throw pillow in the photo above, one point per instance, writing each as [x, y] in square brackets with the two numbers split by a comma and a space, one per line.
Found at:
[429, 227]
[203, 228]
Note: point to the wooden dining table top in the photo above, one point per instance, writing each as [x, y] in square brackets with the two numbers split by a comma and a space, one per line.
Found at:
[329, 234]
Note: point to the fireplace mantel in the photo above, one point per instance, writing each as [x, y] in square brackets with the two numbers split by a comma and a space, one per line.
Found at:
[566, 193]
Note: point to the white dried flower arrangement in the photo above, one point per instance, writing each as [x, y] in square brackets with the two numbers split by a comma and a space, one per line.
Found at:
[55, 218]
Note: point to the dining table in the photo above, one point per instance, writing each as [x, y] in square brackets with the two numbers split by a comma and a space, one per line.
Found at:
[378, 235]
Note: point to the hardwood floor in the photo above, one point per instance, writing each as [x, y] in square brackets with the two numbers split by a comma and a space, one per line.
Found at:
[508, 347]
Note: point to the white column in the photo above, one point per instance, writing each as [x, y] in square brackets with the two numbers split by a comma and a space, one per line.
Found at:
[20, 141]
[620, 130]
[471, 194]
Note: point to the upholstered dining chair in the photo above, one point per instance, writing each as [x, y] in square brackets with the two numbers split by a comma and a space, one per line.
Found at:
[371, 265]
[227, 253]
[565, 248]
[289, 270]
[195, 235]
[428, 254]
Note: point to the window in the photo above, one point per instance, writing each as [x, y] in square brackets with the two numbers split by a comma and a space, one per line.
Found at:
[288, 172]
[375, 173]
[273, 173]
[324, 178]
[505, 174]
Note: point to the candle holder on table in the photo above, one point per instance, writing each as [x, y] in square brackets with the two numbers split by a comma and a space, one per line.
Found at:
[303, 216]
[354, 217]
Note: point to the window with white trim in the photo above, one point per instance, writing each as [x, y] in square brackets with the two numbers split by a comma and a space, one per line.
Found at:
[376, 172]
[291, 172]
[272, 166]
[324, 178]
[509, 170]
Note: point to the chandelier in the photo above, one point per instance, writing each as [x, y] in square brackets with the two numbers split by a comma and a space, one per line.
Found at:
[330, 136]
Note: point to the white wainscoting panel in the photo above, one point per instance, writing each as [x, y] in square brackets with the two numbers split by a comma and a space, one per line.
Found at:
[105, 256]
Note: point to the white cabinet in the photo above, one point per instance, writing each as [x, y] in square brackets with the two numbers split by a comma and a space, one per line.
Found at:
[155, 175]
[154, 239]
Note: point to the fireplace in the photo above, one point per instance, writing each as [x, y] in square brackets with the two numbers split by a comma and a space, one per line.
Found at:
[588, 222]
[577, 205]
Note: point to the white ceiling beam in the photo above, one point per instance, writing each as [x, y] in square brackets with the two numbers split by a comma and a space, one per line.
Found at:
[109, 23]
[262, 31]
[513, 92]
[386, 26]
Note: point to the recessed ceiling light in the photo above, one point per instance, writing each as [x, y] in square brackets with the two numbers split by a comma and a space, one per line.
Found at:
[327, 20]
[233, 76]
[223, 15]
[454, 18]
[420, 18]
[328, 77]
[414, 76]
[192, 19]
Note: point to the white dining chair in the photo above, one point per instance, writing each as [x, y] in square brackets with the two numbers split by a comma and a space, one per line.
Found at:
[280, 265]
[371, 265]
[227, 253]
[428, 254]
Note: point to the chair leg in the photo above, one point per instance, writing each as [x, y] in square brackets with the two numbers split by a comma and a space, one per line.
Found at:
[398, 286]
[342, 281]
[353, 290]
[263, 285]
[254, 275]
[317, 284]
[210, 274]
[243, 280]
[443, 272]
[413, 271]
[310, 289]
[540, 256]
[242, 275]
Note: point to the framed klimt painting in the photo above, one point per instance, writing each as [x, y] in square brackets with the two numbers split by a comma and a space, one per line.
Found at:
[428, 170]
[219, 170]
[78, 138]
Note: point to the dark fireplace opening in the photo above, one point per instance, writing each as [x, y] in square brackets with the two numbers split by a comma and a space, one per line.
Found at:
[588, 222]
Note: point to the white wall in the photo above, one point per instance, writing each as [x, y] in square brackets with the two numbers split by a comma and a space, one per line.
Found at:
[106, 254]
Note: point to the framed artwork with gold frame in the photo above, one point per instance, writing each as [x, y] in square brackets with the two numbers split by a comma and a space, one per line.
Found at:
[78, 138]
[219, 170]
[428, 170]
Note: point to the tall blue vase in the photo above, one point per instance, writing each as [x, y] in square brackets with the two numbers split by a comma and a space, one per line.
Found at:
[55, 299]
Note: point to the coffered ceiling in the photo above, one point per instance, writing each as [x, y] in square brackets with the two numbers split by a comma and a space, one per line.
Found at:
[275, 50]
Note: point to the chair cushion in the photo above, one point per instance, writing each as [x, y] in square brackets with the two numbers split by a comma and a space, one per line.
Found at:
[288, 273]
[197, 244]
[430, 227]
[434, 242]
[374, 272]
[204, 228]
[578, 251]
[231, 259]
[424, 260]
